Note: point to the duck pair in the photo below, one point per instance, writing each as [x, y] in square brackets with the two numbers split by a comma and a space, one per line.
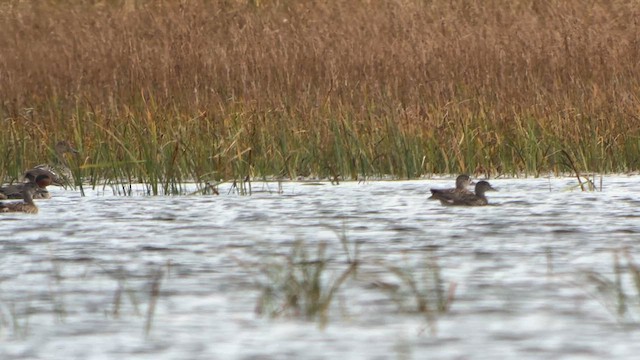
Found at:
[41, 175]
[34, 187]
[36, 181]
[461, 196]
[28, 190]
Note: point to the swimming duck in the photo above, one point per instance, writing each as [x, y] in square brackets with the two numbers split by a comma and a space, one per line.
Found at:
[477, 199]
[40, 176]
[27, 206]
[43, 169]
[462, 182]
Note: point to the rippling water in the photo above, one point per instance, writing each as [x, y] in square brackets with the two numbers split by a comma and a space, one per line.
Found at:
[533, 273]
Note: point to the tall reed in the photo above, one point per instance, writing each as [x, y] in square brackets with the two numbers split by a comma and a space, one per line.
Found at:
[165, 92]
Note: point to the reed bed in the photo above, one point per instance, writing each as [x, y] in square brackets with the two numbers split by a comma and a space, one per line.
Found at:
[220, 90]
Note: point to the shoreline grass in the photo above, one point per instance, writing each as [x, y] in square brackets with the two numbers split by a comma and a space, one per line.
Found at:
[207, 91]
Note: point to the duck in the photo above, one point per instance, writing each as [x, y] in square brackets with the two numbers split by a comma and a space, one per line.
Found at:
[27, 206]
[477, 199]
[41, 176]
[61, 165]
[462, 182]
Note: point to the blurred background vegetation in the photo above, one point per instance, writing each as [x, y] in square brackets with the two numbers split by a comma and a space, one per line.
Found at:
[163, 92]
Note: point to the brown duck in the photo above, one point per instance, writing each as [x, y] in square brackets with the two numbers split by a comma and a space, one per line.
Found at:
[51, 176]
[27, 206]
[477, 199]
[42, 176]
[462, 182]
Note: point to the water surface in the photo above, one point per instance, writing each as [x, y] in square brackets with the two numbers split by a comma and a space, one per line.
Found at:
[532, 273]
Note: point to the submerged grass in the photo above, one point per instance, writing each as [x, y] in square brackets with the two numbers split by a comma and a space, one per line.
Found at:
[426, 286]
[620, 294]
[304, 285]
[14, 321]
[206, 91]
[131, 293]
[299, 286]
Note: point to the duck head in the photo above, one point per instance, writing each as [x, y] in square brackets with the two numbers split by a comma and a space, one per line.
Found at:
[482, 187]
[463, 181]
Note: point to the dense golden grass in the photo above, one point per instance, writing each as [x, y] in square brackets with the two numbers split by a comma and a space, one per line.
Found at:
[164, 92]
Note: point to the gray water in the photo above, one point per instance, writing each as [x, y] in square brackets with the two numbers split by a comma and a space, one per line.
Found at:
[531, 276]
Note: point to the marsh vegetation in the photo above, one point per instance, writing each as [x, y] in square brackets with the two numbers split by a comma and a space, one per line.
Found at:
[167, 92]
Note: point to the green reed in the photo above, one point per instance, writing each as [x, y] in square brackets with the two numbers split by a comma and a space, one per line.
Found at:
[298, 286]
[14, 320]
[426, 286]
[620, 293]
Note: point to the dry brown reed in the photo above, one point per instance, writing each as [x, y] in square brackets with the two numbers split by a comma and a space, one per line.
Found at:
[168, 91]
